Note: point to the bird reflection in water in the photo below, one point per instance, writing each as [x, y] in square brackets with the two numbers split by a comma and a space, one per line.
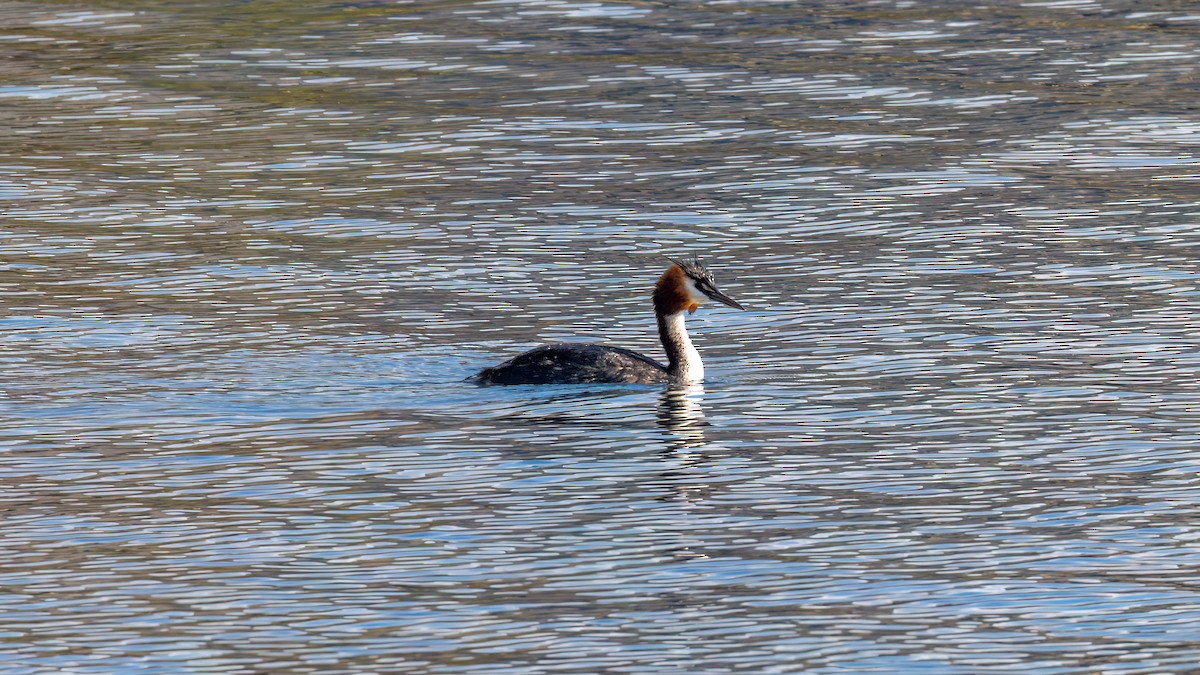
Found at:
[681, 414]
[682, 418]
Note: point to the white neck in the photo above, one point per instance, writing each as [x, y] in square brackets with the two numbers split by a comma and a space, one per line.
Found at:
[684, 363]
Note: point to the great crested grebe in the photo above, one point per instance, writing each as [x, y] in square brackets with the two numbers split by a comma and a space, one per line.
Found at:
[681, 289]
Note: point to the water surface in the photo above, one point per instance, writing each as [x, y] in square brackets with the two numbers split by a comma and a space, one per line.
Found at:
[251, 249]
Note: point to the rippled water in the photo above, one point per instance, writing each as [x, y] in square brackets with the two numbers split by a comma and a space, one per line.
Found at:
[251, 249]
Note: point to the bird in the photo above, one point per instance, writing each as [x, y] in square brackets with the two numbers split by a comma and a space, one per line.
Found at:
[681, 289]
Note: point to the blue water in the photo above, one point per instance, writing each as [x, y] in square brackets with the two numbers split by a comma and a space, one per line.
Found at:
[251, 251]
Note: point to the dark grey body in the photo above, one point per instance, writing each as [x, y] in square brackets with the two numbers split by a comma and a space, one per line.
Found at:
[576, 363]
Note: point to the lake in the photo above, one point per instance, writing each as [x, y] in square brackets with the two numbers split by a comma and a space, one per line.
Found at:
[252, 249]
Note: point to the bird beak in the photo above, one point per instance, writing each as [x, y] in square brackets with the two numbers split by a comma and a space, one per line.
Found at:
[725, 299]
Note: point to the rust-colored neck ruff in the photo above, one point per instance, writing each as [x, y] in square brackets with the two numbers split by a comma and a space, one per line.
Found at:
[671, 294]
[671, 300]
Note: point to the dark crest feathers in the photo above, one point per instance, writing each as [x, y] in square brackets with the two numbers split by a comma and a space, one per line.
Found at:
[693, 267]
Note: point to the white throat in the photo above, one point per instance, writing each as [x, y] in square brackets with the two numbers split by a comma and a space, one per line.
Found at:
[684, 359]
